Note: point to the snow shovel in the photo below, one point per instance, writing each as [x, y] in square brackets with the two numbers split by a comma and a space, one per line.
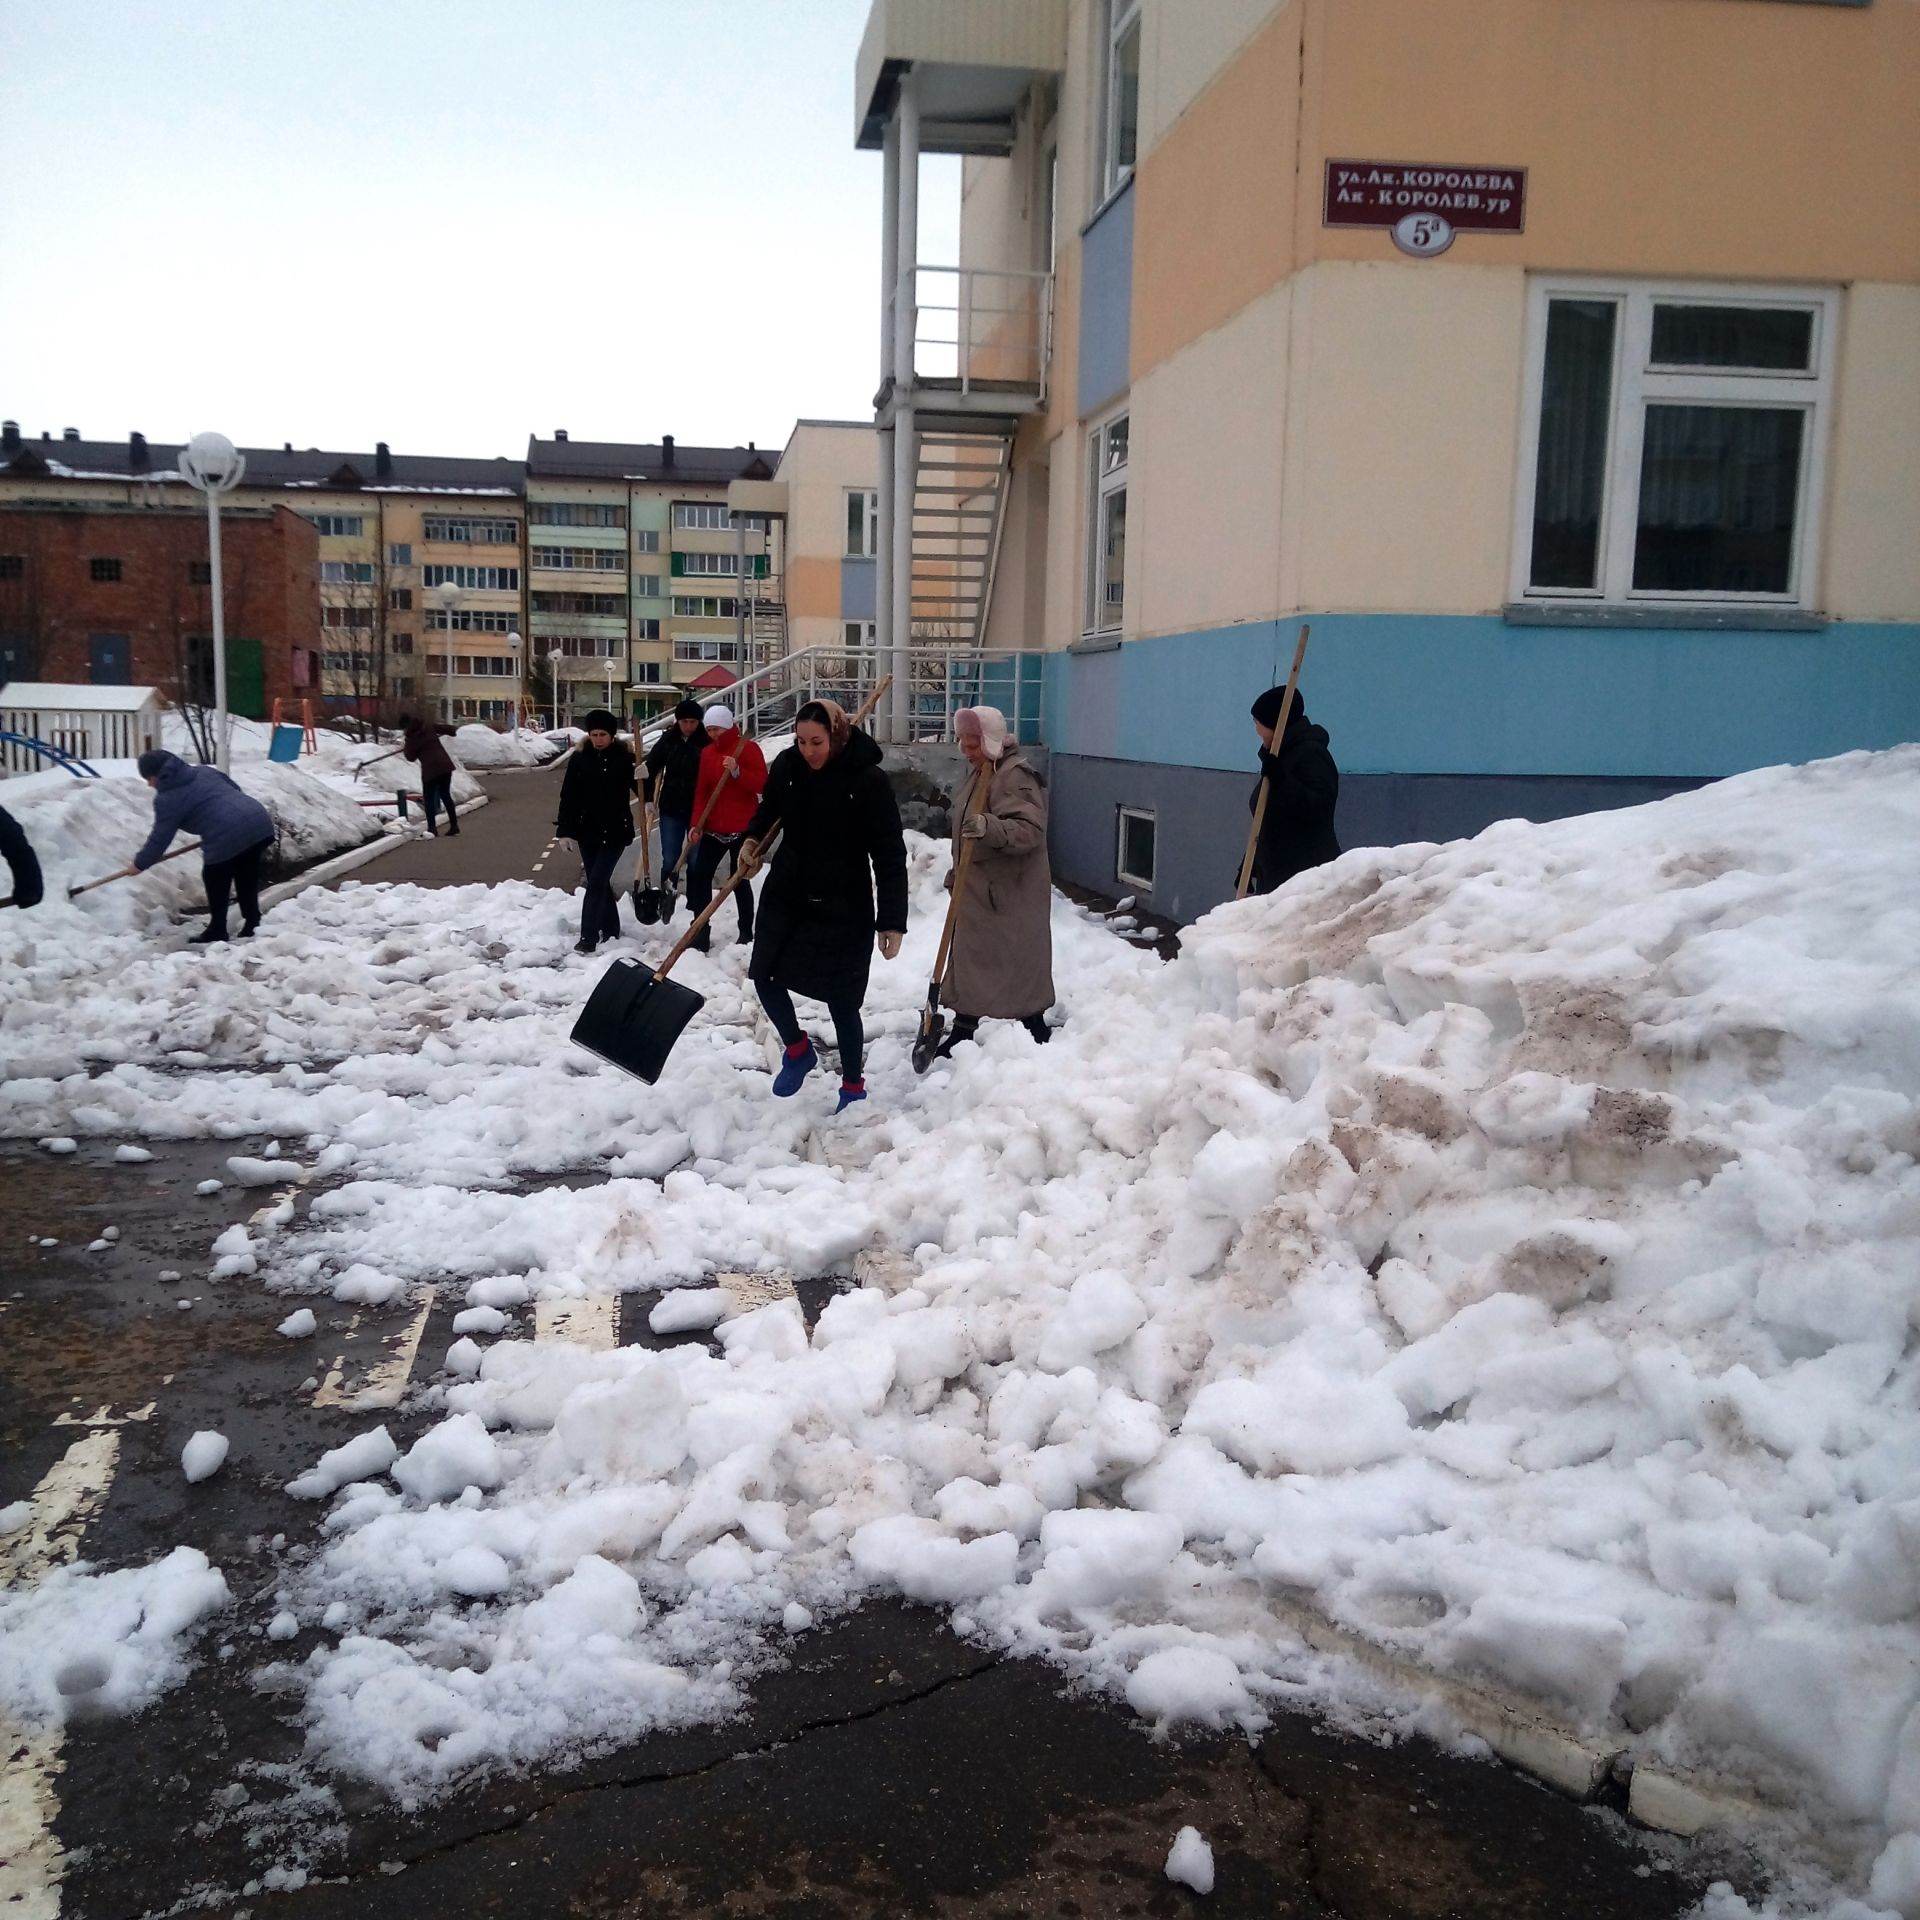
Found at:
[1266, 786]
[650, 903]
[933, 1023]
[635, 1014]
[127, 873]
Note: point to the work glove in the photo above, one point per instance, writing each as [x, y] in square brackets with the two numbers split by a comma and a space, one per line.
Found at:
[974, 827]
[889, 944]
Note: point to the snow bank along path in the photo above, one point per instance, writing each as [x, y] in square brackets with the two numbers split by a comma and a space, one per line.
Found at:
[1506, 1248]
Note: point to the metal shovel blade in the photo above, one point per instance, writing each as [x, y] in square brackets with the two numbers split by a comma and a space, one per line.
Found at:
[646, 905]
[933, 1027]
[631, 1020]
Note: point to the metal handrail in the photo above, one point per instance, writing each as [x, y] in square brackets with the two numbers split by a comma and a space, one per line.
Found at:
[1031, 301]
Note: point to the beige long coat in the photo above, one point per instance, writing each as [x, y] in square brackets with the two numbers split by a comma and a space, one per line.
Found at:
[1001, 967]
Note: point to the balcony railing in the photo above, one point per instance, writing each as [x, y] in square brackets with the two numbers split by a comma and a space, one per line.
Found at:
[985, 328]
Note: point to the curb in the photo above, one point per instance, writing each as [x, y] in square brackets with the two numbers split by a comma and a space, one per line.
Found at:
[340, 863]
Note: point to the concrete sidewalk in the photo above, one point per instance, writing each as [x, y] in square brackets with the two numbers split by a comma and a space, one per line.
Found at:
[511, 838]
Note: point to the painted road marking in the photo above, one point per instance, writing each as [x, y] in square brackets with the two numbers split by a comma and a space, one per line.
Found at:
[104, 1416]
[751, 1290]
[592, 1320]
[383, 1378]
[32, 1860]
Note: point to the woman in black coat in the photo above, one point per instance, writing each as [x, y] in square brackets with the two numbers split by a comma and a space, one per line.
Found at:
[673, 768]
[817, 927]
[1296, 832]
[596, 813]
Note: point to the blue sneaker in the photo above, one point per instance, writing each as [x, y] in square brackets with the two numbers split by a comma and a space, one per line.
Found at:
[850, 1091]
[800, 1062]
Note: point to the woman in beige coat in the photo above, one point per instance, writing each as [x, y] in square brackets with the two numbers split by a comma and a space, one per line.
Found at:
[1001, 966]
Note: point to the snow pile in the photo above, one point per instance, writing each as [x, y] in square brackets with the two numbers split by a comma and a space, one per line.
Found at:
[1190, 1861]
[103, 1642]
[1505, 1249]
[204, 1455]
[482, 746]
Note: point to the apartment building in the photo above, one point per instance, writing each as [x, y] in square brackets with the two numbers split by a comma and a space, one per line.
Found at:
[1573, 407]
[831, 508]
[635, 569]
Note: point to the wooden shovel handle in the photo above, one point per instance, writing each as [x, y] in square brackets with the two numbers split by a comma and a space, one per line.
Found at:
[127, 873]
[1266, 785]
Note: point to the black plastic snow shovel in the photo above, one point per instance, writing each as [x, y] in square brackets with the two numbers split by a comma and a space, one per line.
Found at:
[635, 1013]
[933, 1023]
[649, 902]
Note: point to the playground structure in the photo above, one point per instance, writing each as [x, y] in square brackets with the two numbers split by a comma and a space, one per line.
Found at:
[70, 726]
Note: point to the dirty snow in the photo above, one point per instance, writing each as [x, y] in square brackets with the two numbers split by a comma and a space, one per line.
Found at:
[1505, 1250]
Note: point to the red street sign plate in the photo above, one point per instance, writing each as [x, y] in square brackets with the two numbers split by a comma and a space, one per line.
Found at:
[1381, 193]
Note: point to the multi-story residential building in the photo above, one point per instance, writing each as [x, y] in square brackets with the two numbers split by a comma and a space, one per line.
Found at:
[634, 568]
[826, 475]
[1576, 416]
[396, 562]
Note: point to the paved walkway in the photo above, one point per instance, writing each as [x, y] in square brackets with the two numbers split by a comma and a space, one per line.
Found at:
[510, 838]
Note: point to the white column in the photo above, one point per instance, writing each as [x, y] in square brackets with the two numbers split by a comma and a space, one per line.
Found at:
[905, 439]
[882, 550]
[221, 725]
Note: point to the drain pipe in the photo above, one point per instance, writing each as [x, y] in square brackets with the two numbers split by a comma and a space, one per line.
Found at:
[905, 440]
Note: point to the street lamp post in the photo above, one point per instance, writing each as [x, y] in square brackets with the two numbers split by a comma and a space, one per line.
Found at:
[448, 597]
[211, 462]
[519, 678]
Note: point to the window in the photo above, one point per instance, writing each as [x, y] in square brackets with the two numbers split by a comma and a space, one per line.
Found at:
[1678, 437]
[1107, 526]
[725, 651]
[612, 606]
[335, 573]
[400, 553]
[403, 688]
[1120, 109]
[104, 569]
[646, 629]
[863, 525]
[710, 564]
[476, 533]
[346, 616]
[857, 633]
[648, 673]
[481, 579]
[400, 599]
[647, 586]
[591, 646]
[702, 516]
[399, 643]
[470, 620]
[340, 526]
[578, 559]
[571, 513]
[199, 573]
[13, 566]
[693, 606]
[647, 540]
[1133, 862]
[357, 663]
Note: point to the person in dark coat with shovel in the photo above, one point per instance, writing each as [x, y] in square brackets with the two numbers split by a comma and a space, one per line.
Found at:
[235, 832]
[24, 865]
[1296, 832]
[840, 839]
[596, 814]
[673, 768]
[422, 745]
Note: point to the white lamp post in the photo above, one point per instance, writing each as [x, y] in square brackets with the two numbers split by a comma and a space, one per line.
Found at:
[555, 654]
[448, 597]
[211, 462]
[519, 677]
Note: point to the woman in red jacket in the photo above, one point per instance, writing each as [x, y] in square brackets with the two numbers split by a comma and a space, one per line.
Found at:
[738, 769]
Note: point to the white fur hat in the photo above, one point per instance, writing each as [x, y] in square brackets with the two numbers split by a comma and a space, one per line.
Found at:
[992, 725]
[717, 719]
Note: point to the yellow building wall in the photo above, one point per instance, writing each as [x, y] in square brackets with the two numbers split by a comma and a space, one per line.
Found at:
[1873, 492]
[1184, 46]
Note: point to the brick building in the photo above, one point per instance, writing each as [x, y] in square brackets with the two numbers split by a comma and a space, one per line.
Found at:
[120, 595]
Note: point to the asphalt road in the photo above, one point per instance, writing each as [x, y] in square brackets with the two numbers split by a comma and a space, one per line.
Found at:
[891, 1769]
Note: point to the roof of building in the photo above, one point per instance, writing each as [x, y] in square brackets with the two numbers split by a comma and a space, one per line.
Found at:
[714, 677]
[305, 469]
[568, 459]
[58, 696]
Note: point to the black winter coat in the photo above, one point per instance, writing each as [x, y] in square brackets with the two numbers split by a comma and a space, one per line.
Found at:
[840, 835]
[1297, 832]
[28, 888]
[596, 796]
[423, 745]
[673, 765]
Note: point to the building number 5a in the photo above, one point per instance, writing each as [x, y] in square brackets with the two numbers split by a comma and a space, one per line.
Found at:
[1423, 234]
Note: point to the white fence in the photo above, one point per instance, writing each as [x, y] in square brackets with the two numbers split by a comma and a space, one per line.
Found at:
[85, 723]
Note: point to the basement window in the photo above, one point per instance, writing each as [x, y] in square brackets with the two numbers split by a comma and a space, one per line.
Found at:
[104, 569]
[1133, 862]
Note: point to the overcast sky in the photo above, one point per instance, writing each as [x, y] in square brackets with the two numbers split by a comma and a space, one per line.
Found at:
[440, 223]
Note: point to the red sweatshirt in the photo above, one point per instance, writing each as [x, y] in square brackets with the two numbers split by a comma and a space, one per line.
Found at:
[740, 796]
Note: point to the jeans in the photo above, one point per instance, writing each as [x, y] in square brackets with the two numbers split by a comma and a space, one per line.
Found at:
[849, 1035]
[599, 912]
[673, 836]
[242, 874]
[704, 868]
[438, 793]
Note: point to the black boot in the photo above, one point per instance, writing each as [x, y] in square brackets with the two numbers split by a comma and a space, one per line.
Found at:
[1036, 1024]
[965, 1027]
[213, 937]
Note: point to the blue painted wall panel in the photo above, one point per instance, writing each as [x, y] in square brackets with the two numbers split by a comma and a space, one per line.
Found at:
[1420, 693]
[1106, 303]
[856, 590]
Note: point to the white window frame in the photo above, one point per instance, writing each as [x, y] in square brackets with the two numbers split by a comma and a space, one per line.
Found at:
[703, 516]
[1102, 484]
[1119, 18]
[1635, 384]
[1142, 880]
[870, 519]
[856, 634]
[646, 539]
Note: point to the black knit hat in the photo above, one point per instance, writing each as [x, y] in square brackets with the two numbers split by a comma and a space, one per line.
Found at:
[1266, 709]
[688, 710]
[600, 721]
